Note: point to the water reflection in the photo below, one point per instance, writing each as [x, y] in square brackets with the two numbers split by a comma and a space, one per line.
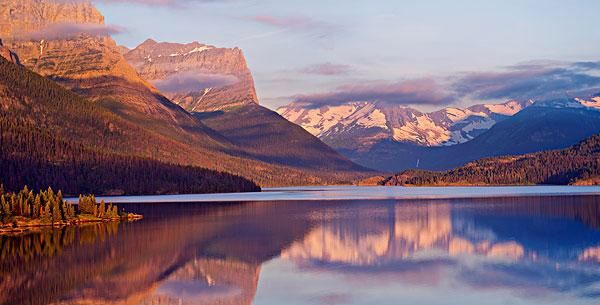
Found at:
[495, 251]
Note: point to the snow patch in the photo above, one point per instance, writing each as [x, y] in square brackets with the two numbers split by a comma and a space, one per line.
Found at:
[508, 109]
[199, 49]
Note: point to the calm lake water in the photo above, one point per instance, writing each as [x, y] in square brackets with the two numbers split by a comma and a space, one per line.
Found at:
[501, 250]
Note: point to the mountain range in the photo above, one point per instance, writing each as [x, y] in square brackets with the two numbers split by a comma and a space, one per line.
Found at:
[398, 137]
[67, 43]
[359, 125]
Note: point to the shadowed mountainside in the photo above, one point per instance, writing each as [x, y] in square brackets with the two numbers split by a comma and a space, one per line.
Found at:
[579, 164]
[38, 147]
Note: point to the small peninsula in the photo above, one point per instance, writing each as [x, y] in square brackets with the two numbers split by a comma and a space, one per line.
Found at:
[25, 210]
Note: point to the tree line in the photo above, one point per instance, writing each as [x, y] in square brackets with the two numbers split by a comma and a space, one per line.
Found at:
[559, 167]
[35, 157]
[49, 207]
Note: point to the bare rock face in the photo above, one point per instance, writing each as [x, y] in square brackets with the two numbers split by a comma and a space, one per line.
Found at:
[68, 42]
[8, 54]
[198, 77]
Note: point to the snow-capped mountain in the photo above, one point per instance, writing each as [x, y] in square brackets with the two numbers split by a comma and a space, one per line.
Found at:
[394, 138]
[359, 125]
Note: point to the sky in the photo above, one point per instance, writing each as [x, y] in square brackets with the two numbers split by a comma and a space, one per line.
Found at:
[421, 53]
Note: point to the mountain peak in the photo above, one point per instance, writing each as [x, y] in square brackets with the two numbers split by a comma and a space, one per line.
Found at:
[148, 43]
[197, 76]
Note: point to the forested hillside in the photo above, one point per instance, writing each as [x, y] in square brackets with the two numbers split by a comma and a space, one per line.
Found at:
[578, 164]
[38, 122]
[99, 126]
[36, 158]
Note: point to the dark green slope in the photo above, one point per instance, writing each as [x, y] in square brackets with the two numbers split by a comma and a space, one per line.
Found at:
[52, 137]
[577, 164]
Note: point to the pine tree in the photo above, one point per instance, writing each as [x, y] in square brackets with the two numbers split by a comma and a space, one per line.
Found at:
[45, 217]
[102, 209]
[37, 204]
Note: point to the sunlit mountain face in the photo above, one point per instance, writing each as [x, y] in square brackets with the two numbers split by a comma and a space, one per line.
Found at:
[504, 251]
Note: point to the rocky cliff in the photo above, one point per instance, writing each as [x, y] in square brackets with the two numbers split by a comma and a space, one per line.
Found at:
[68, 42]
[196, 76]
[9, 55]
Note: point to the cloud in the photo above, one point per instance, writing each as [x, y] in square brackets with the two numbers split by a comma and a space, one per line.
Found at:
[530, 82]
[537, 81]
[70, 30]
[172, 3]
[292, 22]
[588, 65]
[327, 69]
[410, 92]
[194, 81]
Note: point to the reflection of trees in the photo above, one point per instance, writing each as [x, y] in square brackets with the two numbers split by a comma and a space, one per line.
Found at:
[224, 243]
[585, 209]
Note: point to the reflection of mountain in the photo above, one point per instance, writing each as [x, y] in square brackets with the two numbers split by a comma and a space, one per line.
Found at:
[213, 254]
[207, 281]
[487, 244]
[411, 232]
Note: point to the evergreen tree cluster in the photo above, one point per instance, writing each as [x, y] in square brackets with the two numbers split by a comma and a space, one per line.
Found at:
[89, 205]
[559, 167]
[47, 206]
[32, 156]
[50, 207]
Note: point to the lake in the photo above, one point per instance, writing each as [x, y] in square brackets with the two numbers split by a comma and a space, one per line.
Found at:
[336, 245]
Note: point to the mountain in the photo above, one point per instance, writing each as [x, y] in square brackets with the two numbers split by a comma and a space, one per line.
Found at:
[38, 147]
[360, 125]
[395, 138]
[233, 110]
[196, 76]
[260, 132]
[68, 43]
[578, 164]
[543, 126]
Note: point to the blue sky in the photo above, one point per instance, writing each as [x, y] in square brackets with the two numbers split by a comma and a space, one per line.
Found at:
[303, 48]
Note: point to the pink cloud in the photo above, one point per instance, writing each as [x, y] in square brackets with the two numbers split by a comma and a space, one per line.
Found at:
[70, 30]
[327, 69]
[292, 22]
[194, 81]
[410, 92]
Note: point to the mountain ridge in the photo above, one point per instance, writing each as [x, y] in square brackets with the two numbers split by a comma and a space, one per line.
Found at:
[578, 164]
[361, 124]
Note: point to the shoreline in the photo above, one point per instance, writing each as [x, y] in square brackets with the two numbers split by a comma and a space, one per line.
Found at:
[328, 193]
[23, 225]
